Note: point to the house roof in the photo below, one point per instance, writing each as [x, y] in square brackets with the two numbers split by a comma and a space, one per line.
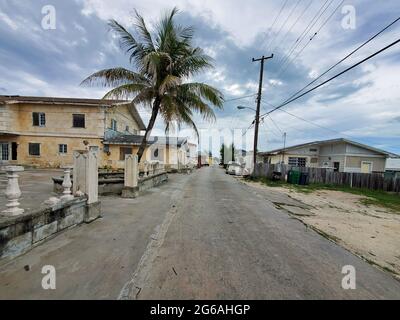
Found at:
[75, 101]
[132, 139]
[324, 142]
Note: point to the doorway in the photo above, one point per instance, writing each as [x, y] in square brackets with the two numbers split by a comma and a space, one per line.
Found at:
[366, 167]
[336, 166]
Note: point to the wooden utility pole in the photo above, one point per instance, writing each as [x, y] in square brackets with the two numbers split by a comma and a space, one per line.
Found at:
[257, 120]
[284, 147]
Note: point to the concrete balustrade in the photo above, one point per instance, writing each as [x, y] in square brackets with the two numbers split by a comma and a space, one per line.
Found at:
[67, 184]
[13, 192]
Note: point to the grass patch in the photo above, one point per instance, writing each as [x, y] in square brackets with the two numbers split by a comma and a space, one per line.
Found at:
[374, 197]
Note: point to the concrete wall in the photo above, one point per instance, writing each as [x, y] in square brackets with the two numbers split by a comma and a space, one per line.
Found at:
[19, 234]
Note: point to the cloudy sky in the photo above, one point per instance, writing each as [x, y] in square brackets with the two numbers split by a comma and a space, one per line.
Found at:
[363, 104]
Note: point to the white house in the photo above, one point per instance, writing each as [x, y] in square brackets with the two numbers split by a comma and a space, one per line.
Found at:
[342, 155]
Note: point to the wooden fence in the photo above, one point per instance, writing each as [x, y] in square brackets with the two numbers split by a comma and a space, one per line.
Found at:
[374, 181]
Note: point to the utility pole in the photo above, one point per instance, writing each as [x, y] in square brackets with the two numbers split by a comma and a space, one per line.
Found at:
[257, 120]
[284, 147]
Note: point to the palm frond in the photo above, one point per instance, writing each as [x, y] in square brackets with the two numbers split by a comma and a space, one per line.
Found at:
[127, 42]
[114, 77]
[125, 91]
[144, 32]
[205, 91]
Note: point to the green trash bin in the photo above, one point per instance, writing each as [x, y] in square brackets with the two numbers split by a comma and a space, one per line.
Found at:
[290, 176]
[296, 177]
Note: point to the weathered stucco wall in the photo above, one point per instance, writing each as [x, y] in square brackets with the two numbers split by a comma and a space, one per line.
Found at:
[378, 164]
[59, 120]
[122, 116]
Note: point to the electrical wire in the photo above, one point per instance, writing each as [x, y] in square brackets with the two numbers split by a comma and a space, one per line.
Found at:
[241, 98]
[276, 18]
[345, 58]
[334, 77]
[284, 23]
[292, 26]
[311, 39]
[303, 34]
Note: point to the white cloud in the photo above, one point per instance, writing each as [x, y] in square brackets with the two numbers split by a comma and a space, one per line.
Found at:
[8, 21]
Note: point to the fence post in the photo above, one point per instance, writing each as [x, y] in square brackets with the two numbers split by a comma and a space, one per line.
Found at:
[13, 192]
[86, 174]
[131, 189]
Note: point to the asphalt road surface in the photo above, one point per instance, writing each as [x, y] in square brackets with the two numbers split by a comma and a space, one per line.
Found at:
[200, 236]
[223, 240]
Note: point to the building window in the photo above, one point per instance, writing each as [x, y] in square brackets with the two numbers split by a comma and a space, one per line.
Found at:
[314, 160]
[4, 151]
[38, 119]
[62, 148]
[123, 151]
[34, 149]
[297, 162]
[113, 125]
[78, 120]
[313, 150]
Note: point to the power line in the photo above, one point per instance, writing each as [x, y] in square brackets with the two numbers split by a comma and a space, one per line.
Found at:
[345, 58]
[276, 18]
[292, 26]
[311, 39]
[284, 23]
[242, 97]
[303, 34]
[307, 121]
[275, 124]
[334, 77]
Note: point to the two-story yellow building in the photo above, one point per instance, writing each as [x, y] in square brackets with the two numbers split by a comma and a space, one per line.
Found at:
[44, 132]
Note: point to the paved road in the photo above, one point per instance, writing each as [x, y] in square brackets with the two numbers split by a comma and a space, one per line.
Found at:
[223, 240]
[204, 235]
[92, 261]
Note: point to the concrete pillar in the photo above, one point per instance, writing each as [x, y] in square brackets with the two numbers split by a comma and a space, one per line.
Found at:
[131, 189]
[13, 192]
[86, 174]
[131, 170]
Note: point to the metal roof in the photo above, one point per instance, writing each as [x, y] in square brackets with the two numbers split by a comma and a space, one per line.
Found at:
[324, 142]
[132, 139]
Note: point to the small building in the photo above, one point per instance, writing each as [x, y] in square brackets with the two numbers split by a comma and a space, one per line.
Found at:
[44, 132]
[171, 151]
[392, 167]
[341, 155]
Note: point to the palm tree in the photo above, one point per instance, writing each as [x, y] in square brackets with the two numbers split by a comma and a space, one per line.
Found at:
[164, 60]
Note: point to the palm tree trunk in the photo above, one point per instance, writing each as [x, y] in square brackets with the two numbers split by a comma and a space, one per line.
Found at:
[154, 113]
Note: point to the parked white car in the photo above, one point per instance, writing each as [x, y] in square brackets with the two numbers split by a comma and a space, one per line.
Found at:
[234, 168]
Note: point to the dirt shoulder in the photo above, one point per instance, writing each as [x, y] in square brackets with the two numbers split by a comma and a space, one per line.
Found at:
[371, 232]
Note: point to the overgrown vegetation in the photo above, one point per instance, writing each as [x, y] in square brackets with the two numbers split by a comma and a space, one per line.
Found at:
[374, 197]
